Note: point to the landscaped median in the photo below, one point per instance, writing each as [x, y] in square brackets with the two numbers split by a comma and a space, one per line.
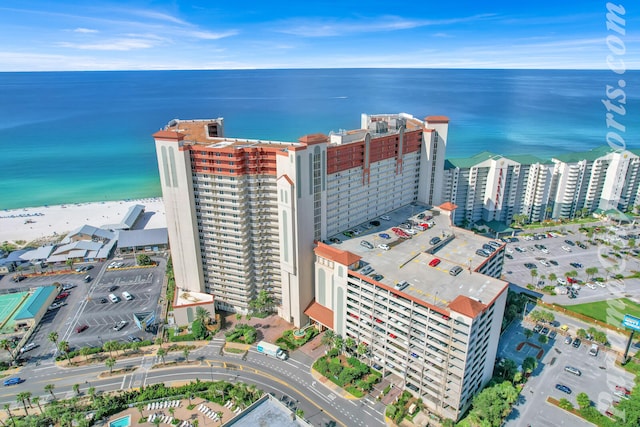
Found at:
[348, 373]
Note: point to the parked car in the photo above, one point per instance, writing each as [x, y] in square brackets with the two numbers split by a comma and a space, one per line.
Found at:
[482, 253]
[544, 331]
[366, 244]
[568, 340]
[384, 246]
[455, 270]
[569, 242]
[384, 236]
[537, 328]
[623, 389]
[566, 248]
[28, 347]
[561, 282]
[572, 370]
[121, 324]
[575, 264]
[434, 241]
[81, 328]
[553, 261]
[375, 223]
[552, 334]
[434, 262]
[530, 265]
[385, 217]
[113, 288]
[62, 295]
[509, 256]
[576, 342]
[563, 388]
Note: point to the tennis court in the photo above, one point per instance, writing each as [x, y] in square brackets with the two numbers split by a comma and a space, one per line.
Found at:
[9, 304]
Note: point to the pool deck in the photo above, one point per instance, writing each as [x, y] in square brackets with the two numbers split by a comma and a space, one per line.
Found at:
[181, 413]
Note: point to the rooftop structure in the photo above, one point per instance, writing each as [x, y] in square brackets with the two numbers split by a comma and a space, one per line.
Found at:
[267, 411]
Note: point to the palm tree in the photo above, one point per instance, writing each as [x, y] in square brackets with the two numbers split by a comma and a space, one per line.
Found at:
[534, 274]
[53, 337]
[7, 408]
[327, 339]
[140, 407]
[111, 346]
[92, 392]
[76, 389]
[49, 388]
[219, 414]
[553, 277]
[186, 352]
[110, 362]
[36, 400]
[63, 346]
[591, 271]
[159, 341]
[528, 333]
[22, 398]
[203, 315]
[85, 351]
[7, 346]
[161, 354]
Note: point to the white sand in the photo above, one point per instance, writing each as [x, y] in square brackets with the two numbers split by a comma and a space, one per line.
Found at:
[61, 219]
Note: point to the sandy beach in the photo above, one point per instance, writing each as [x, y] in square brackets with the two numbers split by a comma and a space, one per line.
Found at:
[30, 224]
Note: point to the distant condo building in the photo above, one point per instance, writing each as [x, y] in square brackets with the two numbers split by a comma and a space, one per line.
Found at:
[491, 189]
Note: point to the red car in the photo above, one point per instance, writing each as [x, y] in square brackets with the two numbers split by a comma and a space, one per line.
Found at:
[425, 225]
[434, 262]
[571, 280]
[62, 295]
[623, 389]
[81, 328]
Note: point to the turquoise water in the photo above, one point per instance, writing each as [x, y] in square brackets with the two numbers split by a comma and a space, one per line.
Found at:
[86, 136]
[121, 422]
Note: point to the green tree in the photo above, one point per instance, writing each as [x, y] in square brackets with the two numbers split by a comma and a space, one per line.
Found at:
[528, 333]
[7, 408]
[49, 389]
[143, 259]
[581, 333]
[529, 364]
[534, 274]
[203, 315]
[542, 339]
[76, 389]
[185, 352]
[111, 346]
[328, 339]
[5, 344]
[362, 349]
[349, 344]
[92, 392]
[262, 303]
[583, 400]
[600, 337]
[591, 271]
[553, 277]
[63, 346]
[85, 351]
[565, 404]
[69, 262]
[36, 400]
[161, 354]
[22, 398]
[507, 369]
[53, 337]
[110, 362]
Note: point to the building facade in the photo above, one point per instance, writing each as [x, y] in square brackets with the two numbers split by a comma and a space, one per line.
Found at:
[244, 215]
[430, 318]
[490, 187]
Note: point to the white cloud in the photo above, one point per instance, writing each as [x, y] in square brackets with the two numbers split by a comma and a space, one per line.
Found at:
[84, 30]
[207, 35]
[333, 27]
[120, 45]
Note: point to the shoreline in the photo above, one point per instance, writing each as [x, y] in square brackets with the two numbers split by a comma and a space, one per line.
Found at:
[54, 221]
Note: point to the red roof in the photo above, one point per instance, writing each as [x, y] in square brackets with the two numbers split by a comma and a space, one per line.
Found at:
[467, 306]
[448, 206]
[314, 138]
[337, 255]
[437, 119]
[320, 314]
[169, 134]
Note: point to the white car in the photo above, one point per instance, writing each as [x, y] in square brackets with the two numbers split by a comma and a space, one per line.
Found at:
[591, 285]
[562, 282]
[545, 263]
[121, 324]
[602, 284]
[566, 248]
[509, 250]
[384, 246]
[385, 217]
[544, 250]
[410, 231]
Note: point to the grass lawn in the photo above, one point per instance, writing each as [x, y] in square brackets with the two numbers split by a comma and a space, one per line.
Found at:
[610, 312]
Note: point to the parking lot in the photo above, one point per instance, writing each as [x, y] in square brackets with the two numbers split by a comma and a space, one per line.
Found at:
[516, 272]
[599, 377]
[88, 305]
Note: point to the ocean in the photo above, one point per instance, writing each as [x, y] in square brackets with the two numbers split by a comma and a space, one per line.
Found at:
[69, 137]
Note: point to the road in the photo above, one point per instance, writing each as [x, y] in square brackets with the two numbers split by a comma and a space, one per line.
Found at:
[291, 381]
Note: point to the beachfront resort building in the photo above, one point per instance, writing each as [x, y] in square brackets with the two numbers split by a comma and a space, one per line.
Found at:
[245, 215]
[491, 189]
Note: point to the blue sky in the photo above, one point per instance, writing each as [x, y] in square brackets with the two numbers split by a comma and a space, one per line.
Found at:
[38, 35]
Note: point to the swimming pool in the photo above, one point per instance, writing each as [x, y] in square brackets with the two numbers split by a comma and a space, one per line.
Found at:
[121, 422]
